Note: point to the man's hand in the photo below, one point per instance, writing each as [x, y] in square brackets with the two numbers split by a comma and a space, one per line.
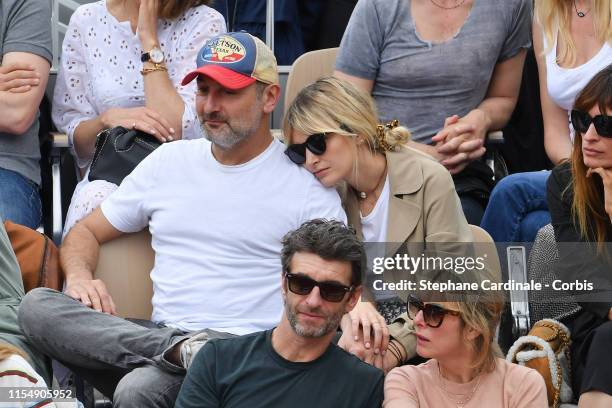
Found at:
[606, 178]
[147, 23]
[143, 119]
[462, 140]
[92, 293]
[18, 77]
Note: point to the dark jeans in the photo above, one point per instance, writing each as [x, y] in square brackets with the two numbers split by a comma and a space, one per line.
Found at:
[473, 185]
[122, 359]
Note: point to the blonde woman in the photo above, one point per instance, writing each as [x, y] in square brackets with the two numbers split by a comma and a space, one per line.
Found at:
[572, 42]
[465, 368]
[580, 200]
[391, 192]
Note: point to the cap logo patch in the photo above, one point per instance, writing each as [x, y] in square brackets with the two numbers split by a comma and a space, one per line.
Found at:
[224, 50]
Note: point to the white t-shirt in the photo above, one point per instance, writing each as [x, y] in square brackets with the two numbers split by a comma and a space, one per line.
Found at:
[374, 230]
[374, 225]
[217, 230]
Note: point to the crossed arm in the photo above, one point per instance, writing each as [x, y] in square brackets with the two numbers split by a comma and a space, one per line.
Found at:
[23, 80]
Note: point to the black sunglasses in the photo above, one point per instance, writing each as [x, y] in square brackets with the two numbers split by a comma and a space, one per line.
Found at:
[582, 120]
[433, 315]
[303, 285]
[315, 143]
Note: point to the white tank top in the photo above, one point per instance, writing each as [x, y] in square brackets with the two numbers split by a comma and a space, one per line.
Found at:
[565, 83]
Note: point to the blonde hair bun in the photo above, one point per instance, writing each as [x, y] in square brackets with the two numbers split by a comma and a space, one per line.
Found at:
[392, 135]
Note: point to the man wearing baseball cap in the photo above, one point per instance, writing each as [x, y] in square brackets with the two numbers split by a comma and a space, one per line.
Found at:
[216, 218]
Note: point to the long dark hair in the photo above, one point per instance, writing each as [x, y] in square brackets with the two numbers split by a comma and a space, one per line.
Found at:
[588, 201]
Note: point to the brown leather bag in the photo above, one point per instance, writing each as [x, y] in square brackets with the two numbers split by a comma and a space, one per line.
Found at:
[38, 257]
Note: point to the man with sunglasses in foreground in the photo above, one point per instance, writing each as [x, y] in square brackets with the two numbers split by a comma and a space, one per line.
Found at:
[295, 364]
[217, 213]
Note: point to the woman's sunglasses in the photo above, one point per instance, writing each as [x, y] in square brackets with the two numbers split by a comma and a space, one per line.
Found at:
[582, 120]
[303, 285]
[315, 143]
[433, 315]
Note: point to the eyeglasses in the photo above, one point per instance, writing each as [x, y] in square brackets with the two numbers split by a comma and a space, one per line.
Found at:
[303, 285]
[582, 120]
[433, 315]
[315, 143]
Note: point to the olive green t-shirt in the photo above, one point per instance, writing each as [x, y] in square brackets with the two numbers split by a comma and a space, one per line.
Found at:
[246, 372]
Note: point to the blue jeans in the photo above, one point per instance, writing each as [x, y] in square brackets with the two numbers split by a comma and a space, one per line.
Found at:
[517, 207]
[19, 199]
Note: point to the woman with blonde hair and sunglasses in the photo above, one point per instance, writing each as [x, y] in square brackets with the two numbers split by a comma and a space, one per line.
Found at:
[391, 193]
[456, 331]
[580, 201]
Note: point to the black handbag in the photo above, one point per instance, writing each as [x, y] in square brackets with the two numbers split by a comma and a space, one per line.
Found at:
[118, 152]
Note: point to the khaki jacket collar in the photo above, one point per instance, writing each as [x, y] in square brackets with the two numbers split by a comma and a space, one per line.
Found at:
[405, 178]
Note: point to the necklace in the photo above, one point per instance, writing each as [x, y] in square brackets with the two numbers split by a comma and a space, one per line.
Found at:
[580, 13]
[363, 195]
[462, 402]
[448, 8]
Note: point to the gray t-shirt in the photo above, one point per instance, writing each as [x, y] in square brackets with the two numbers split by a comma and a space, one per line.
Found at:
[25, 26]
[419, 82]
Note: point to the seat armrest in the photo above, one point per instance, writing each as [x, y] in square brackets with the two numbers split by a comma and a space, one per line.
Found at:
[59, 143]
[495, 137]
[519, 299]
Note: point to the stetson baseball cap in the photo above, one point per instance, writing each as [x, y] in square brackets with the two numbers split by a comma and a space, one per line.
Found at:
[235, 60]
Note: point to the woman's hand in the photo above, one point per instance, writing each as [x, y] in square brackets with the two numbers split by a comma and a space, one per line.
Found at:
[147, 23]
[462, 140]
[143, 119]
[606, 178]
[18, 77]
[365, 315]
[353, 343]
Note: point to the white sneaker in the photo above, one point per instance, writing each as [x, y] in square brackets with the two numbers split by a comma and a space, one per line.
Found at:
[191, 346]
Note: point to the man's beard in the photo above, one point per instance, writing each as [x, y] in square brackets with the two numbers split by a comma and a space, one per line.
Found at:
[331, 323]
[234, 131]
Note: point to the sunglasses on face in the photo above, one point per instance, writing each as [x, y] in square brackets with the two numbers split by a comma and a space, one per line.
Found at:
[315, 143]
[582, 120]
[433, 315]
[303, 285]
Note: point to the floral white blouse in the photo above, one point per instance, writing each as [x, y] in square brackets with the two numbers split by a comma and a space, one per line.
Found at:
[100, 64]
[100, 70]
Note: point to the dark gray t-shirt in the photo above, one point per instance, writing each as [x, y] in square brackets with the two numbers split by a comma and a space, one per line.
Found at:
[25, 26]
[246, 372]
[419, 82]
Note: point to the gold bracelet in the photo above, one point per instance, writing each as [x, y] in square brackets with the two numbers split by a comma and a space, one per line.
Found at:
[157, 67]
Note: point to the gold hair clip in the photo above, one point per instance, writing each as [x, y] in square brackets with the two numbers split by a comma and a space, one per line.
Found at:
[380, 135]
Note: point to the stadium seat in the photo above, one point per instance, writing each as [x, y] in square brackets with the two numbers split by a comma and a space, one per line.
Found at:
[124, 265]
